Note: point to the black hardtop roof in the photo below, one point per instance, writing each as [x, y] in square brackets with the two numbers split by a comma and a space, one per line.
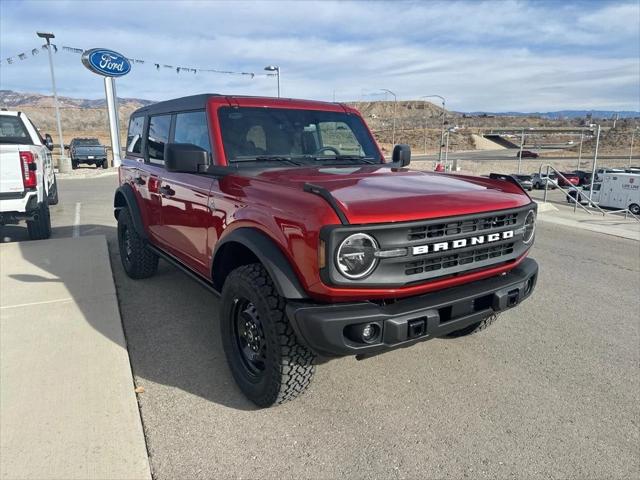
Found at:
[198, 102]
[192, 102]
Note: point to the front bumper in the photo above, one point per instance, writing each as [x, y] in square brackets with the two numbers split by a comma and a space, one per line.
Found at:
[328, 329]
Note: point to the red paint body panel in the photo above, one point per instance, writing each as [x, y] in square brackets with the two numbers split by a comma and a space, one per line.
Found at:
[204, 209]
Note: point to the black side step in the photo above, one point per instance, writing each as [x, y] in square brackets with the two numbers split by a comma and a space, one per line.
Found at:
[176, 263]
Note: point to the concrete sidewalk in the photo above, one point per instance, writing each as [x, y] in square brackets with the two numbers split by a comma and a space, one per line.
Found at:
[615, 225]
[67, 403]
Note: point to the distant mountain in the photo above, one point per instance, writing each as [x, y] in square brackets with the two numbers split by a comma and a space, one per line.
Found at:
[562, 114]
[11, 99]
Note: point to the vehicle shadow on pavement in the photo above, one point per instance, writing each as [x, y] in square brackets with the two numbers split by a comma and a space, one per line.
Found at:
[170, 324]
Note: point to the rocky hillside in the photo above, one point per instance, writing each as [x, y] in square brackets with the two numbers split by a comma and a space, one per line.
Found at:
[418, 123]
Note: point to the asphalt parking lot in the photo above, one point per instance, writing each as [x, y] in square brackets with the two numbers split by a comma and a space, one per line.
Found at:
[550, 391]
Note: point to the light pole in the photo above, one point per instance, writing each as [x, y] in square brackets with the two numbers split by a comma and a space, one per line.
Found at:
[274, 68]
[520, 154]
[633, 134]
[442, 128]
[395, 104]
[580, 150]
[595, 164]
[48, 37]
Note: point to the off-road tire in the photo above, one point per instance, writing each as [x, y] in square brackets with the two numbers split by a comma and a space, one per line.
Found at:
[40, 228]
[53, 192]
[138, 261]
[474, 328]
[105, 164]
[288, 365]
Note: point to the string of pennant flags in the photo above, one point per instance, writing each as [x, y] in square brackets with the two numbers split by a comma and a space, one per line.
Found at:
[178, 69]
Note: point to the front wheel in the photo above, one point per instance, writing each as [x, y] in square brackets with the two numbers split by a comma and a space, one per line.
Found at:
[267, 362]
[53, 192]
[634, 208]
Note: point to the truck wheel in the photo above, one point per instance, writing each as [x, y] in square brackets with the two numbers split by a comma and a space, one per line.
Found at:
[40, 227]
[264, 355]
[138, 261]
[474, 328]
[53, 193]
[74, 164]
[105, 164]
[634, 208]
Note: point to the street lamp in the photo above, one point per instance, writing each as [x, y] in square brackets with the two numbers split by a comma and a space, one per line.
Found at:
[442, 128]
[633, 134]
[274, 68]
[48, 37]
[395, 104]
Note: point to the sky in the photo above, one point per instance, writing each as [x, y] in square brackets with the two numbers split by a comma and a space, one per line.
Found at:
[481, 56]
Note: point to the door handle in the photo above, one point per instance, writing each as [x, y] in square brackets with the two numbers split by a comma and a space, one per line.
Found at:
[166, 191]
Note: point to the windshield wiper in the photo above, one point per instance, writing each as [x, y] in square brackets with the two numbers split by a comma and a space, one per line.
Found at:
[267, 158]
[334, 158]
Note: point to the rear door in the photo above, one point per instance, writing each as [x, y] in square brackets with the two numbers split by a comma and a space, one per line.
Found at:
[185, 208]
[13, 138]
[143, 173]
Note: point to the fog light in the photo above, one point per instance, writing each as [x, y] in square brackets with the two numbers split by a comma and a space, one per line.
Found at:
[363, 332]
[369, 332]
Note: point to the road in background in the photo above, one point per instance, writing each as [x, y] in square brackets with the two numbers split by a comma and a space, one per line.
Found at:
[551, 390]
[512, 154]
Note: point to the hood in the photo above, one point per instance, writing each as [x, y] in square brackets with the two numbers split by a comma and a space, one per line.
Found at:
[378, 194]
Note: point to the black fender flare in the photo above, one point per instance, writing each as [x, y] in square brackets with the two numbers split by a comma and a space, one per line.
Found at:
[126, 192]
[271, 257]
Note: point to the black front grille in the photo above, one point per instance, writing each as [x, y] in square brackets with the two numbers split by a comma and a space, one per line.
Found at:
[456, 259]
[443, 230]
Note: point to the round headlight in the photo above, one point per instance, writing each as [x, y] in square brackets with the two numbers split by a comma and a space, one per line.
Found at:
[355, 257]
[529, 226]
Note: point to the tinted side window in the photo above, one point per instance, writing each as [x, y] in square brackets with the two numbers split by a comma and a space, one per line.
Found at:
[134, 136]
[158, 136]
[191, 127]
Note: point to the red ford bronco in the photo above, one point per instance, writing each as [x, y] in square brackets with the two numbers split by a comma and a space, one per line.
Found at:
[317, 246]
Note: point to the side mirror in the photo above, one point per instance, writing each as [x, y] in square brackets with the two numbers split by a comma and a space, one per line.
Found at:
[48, 141]
[401, 155]
[185, 157]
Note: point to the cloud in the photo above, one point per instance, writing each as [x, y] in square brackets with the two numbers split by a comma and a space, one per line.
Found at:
[505, 55]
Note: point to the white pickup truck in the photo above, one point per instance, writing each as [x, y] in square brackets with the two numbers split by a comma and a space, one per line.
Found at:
[27, 180]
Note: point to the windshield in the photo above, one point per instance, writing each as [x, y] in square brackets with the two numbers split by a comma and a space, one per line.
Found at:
[12, 131]
[523, 177]
[268, 135]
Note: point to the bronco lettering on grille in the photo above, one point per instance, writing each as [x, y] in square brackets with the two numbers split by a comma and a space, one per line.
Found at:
[462, 242]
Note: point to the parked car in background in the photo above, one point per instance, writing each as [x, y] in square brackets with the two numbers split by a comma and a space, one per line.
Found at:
[540, 179]
[568, 178]
[27, 181]
[525, 181]
[584, 177]
[88, 151]
[527, 154]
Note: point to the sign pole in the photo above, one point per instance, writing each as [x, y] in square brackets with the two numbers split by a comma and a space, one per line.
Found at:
[109, 64]
[114, 121]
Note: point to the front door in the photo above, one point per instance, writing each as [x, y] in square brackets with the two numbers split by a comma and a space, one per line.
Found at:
[186, 214]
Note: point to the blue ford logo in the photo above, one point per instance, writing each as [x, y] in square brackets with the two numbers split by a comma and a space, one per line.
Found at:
[106, 62]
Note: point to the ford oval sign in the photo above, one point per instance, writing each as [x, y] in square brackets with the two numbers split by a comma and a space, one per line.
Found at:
[106, 62]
